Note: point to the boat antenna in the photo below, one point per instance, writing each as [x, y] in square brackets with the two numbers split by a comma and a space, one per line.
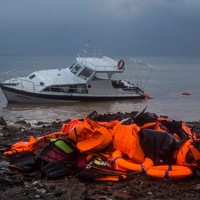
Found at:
[88, 44]
[94, 54]
[99, 52]
[86, 48]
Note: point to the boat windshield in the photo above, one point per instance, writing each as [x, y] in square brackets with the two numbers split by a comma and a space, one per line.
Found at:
[85, 73]
[75, 68]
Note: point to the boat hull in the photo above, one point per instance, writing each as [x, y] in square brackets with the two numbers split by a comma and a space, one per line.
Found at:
[19, 96]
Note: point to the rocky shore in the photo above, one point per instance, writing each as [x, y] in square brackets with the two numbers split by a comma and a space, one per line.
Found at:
[14, 185]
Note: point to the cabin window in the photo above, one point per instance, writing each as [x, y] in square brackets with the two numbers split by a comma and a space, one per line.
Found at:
[53, 89]
[41, 83]
[32, 76]
[80, 88]
[76, 68]
[85, 73]
[72, 66]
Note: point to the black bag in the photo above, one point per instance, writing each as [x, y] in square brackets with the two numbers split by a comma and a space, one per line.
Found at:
[158, 145]
[51, 153]
[56, 170]
[24, 162]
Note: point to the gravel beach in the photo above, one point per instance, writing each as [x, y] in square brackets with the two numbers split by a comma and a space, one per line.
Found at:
[19, 186]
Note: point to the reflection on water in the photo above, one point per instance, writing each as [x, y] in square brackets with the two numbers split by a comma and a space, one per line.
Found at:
[51, 112]
[175, 109]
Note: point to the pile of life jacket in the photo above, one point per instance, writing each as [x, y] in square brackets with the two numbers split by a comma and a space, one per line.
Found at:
[104, 148]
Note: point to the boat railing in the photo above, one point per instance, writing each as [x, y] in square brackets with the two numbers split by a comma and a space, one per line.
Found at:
[133, 64]
[6, 75]
[137, 72]
[32, 85]
[137, 63]
[103, 68]
[11, 73]
[20, 82]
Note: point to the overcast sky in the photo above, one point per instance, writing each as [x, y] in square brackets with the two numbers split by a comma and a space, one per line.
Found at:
[118, 27]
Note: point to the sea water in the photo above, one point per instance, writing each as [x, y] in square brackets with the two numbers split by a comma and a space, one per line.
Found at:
[171, 76]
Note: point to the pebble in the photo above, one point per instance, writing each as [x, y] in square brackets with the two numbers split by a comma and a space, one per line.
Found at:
[110, 183]
[42, 190]
[4, 164]
[197, 187]
[149, 193]
[37, 196]
[2, 121]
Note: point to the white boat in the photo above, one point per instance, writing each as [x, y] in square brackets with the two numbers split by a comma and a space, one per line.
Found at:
[88, 78]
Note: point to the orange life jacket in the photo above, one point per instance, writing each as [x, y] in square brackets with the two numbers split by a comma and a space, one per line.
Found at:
[90, 135]
[126, 140]
[20, 147]
[187, 149]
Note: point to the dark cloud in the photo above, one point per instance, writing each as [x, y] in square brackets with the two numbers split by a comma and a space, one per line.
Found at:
[128, 27]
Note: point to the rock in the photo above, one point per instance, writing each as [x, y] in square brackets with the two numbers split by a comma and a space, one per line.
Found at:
[10, 128]
[2, 121]
[120, 194]
[4, 164]
[197, 187]
[43, 190]
[149, 193]
[37, 196]
[41, 123]
[22, 123]
[110, 183]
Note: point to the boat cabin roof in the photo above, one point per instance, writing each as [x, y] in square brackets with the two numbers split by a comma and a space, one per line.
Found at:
[99, 64]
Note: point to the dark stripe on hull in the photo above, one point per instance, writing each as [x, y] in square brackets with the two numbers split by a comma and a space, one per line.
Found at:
[63, 97]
